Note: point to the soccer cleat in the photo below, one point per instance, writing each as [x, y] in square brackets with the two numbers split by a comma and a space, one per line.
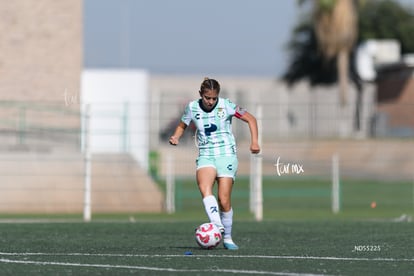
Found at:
[221, 228]
[229, 244]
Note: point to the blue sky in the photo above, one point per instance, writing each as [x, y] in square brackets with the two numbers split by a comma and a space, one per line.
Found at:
[232, 37]
[215, 37]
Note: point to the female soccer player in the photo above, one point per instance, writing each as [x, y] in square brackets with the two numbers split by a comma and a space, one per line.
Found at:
[217, 160]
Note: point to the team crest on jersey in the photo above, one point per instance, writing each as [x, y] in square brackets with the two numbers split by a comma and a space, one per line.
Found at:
[221, 113]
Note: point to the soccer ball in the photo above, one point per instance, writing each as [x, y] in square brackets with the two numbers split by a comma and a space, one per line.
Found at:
[208, 235]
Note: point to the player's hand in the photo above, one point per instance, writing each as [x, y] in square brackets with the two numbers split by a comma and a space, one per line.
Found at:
[173, 141]
[254, 148]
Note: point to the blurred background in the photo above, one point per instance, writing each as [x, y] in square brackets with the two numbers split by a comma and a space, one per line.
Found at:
[91, 90]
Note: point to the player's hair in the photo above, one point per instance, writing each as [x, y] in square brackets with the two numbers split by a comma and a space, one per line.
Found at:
[209, 84]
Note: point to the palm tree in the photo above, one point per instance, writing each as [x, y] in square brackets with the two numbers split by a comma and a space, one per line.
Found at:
[335, 24]
[376, 19]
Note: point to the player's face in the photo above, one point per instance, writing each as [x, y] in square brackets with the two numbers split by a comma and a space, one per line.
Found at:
[209, 99]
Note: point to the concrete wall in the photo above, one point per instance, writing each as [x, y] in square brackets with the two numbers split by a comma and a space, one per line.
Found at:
[54, 183]
[40, 67]
[396, 100]
[40, 49]
[119, 107]
[42, 168]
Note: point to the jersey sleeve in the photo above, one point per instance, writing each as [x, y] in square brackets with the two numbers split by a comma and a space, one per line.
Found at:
[186, 118]
[234, 109]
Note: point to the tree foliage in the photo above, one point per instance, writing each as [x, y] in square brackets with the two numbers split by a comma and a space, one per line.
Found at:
[306, 59]
[378, 19]
[387, 19]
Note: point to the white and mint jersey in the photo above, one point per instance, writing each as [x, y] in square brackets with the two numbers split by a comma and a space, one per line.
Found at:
[214, 133]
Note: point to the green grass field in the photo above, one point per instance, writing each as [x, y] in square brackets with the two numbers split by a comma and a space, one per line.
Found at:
[299, 235]
[305, 198]
[314, 247]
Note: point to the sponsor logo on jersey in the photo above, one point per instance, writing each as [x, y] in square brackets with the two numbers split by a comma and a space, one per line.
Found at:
[221, 113]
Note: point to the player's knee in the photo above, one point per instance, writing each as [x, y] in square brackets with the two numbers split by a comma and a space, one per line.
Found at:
[225, 204]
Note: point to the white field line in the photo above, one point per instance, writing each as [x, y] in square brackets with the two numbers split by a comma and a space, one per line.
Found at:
[215, 270]
[328, 258]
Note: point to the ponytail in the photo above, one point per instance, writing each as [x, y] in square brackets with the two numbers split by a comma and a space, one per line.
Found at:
[210, 84]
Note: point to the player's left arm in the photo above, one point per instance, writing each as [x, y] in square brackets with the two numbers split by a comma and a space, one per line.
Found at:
[254, 133]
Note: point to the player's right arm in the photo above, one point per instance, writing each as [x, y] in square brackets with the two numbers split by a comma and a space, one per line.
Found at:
[175, 138]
